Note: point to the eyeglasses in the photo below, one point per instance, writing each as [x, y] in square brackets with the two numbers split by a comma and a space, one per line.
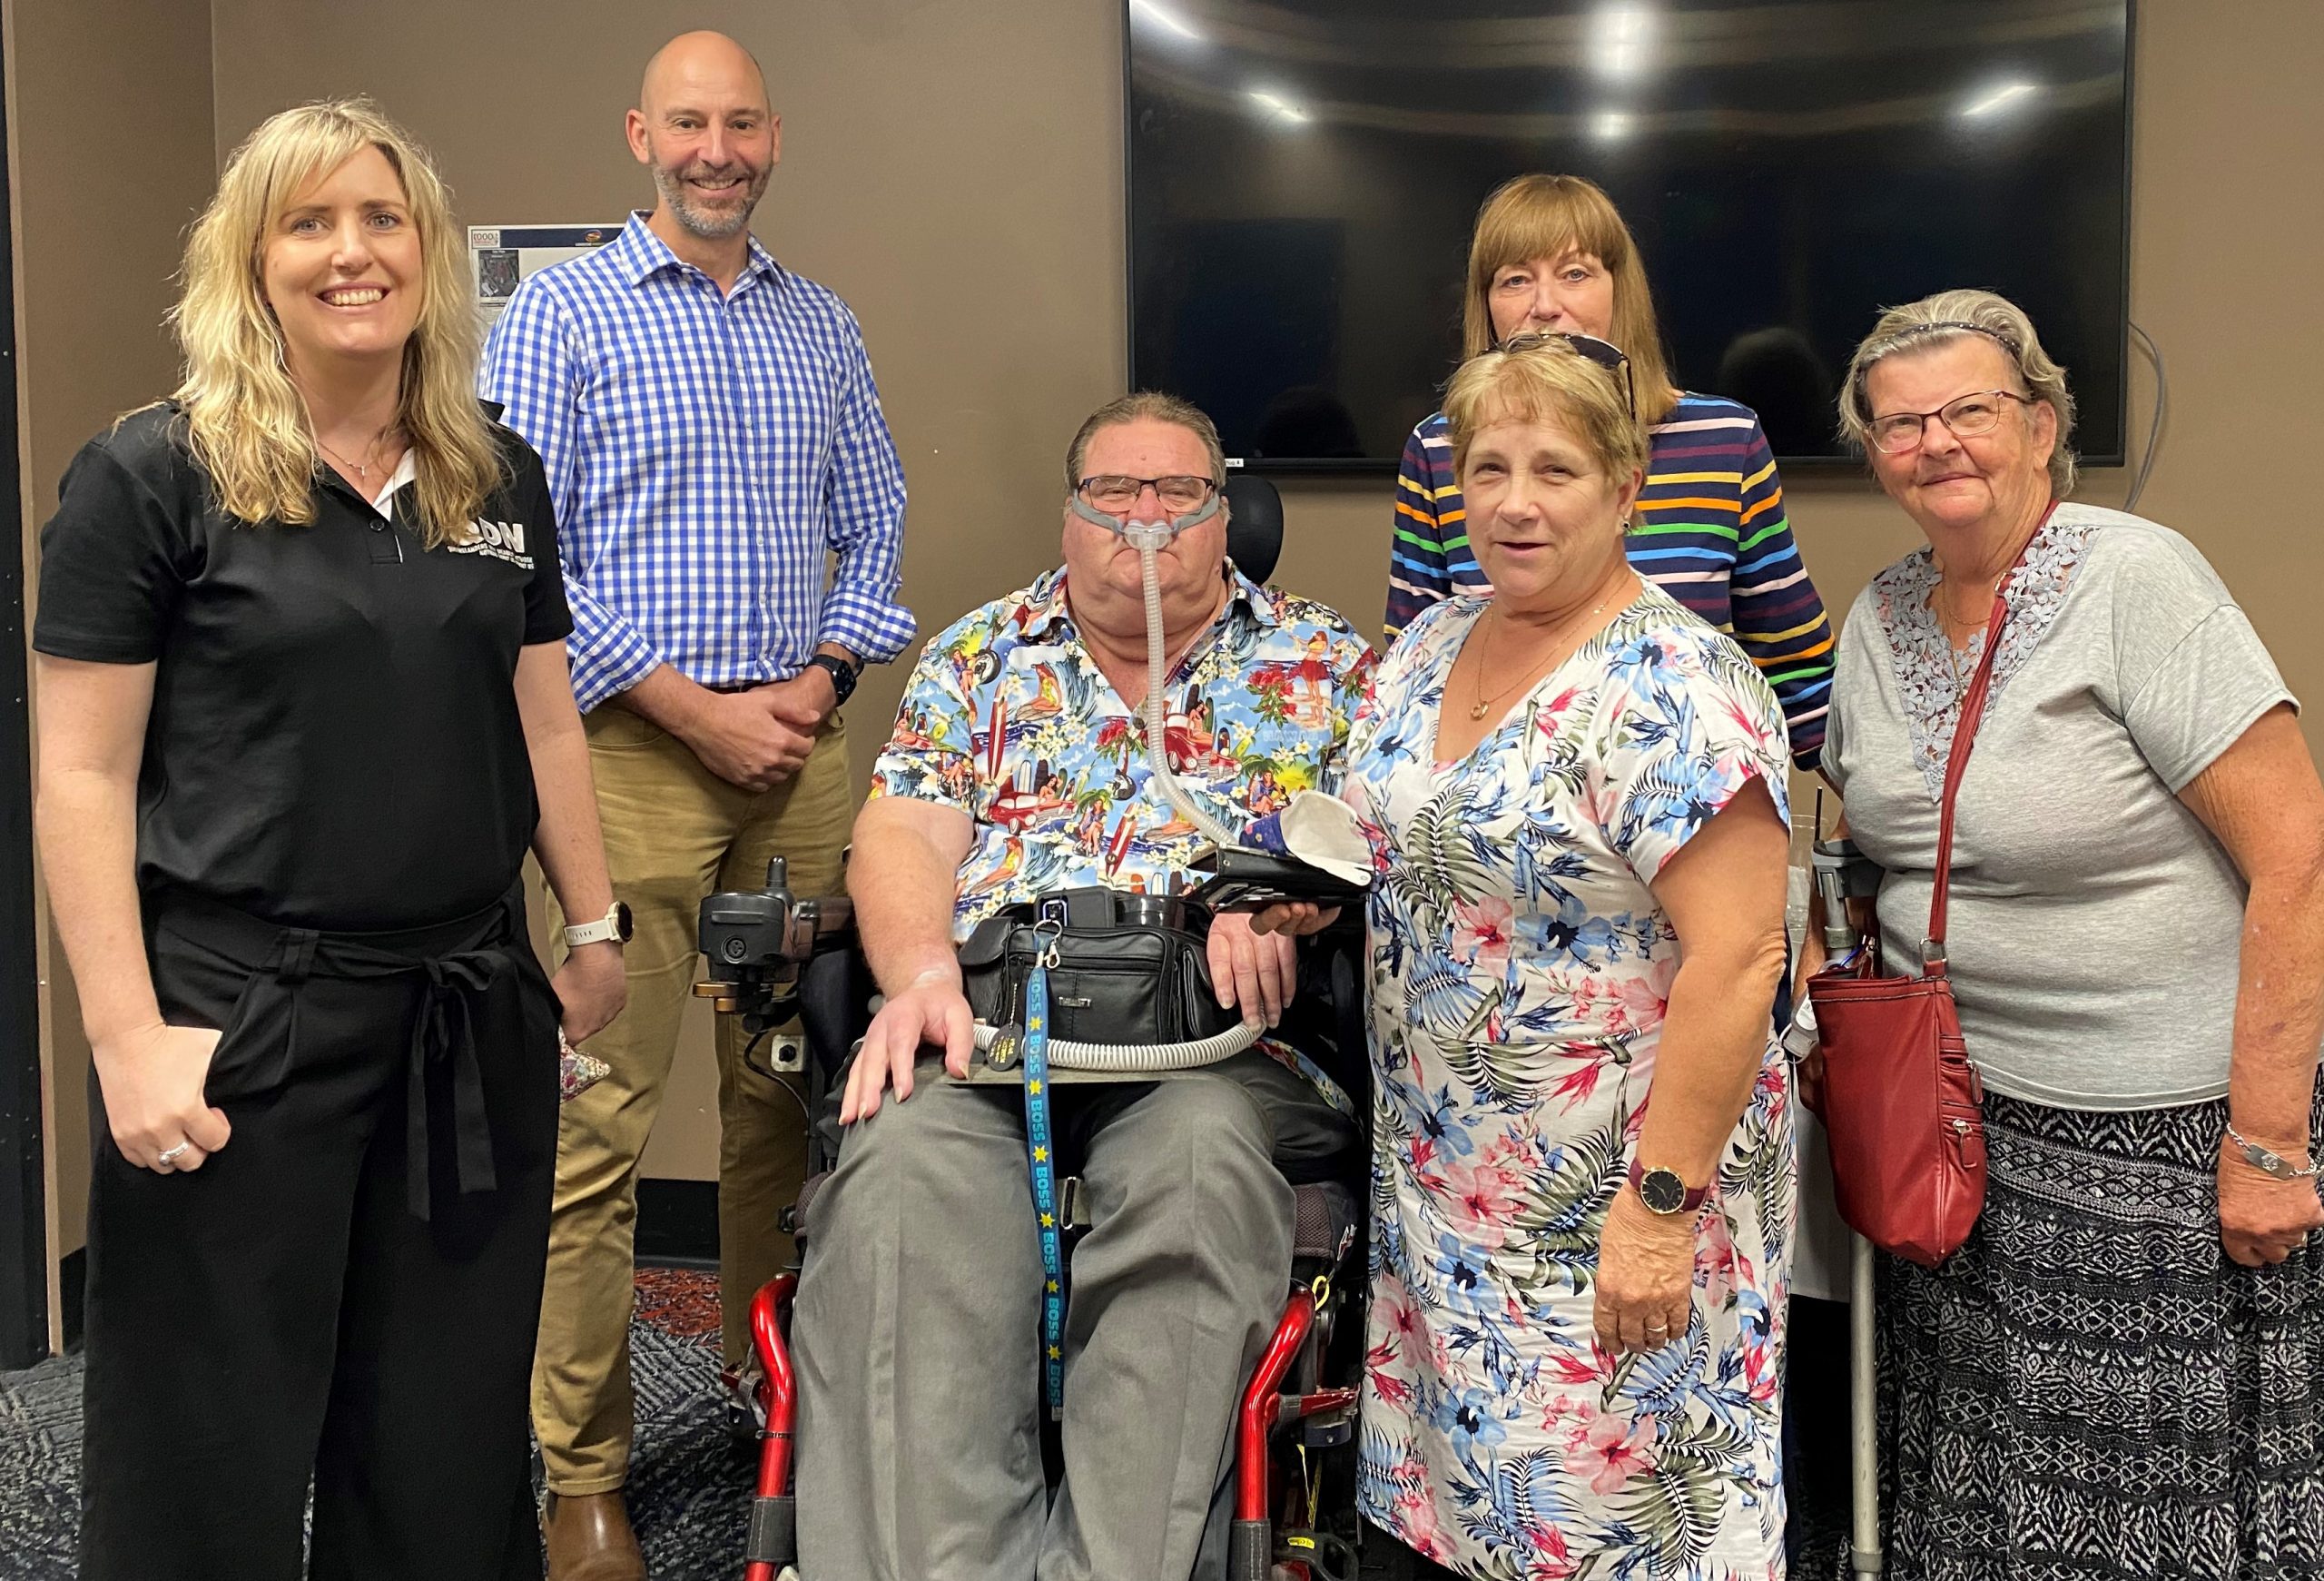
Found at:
[1967, 416]
[1115, 494]
[1605, 353]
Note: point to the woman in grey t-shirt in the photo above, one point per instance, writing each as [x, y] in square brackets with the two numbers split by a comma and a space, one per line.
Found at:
[2125, 1364]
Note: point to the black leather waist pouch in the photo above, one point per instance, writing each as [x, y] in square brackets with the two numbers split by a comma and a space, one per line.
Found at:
[1130, 968]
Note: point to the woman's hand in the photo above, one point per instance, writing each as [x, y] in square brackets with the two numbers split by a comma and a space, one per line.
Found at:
[593, 987]
[152, 1077]
[2262, 1220]
[1646, 1275]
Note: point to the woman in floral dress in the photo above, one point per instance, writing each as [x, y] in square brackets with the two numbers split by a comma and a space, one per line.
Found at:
[1576, 794]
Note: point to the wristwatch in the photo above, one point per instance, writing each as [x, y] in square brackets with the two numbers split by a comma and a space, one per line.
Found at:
[613, 926]
[1664, 1193]
[842, 676]
[2268, 1161]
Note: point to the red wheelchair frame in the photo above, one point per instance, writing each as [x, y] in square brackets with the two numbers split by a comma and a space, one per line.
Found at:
[1263, 1484]
[826, 982]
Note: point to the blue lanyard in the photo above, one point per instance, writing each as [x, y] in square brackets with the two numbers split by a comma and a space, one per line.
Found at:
[1041, 1150]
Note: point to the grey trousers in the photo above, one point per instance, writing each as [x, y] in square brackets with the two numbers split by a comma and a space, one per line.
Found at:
[917, 1337]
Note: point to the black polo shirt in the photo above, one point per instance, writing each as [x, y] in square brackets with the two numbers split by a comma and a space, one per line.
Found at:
[334, 740]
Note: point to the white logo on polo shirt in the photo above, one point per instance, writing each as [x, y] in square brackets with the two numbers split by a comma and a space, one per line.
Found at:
[503, 540]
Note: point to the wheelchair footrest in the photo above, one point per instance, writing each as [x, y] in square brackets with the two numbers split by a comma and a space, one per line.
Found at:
[774, 1534]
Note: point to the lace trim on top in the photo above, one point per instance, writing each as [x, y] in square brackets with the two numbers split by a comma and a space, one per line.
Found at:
[1927, 682]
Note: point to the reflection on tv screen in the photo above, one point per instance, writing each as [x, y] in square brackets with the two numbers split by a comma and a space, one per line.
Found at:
[1304, 175]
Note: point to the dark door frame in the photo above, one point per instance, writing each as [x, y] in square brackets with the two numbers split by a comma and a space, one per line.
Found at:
[23, 1207]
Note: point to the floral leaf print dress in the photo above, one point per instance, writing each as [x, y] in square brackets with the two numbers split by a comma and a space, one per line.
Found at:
[1520, 970]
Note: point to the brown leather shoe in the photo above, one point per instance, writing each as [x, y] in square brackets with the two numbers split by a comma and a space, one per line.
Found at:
[589, 1540]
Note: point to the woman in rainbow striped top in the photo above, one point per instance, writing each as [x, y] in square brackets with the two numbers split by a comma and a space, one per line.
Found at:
[1551, 254]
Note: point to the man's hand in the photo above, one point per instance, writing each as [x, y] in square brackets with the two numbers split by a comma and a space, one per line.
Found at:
[930, 1010]
[153, 1078]
[803, 702]
[744, 739]
[2260, 1218]
[593, 987]
[1259, 972]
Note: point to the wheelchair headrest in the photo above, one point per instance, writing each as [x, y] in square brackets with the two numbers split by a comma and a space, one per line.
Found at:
[1254, 524]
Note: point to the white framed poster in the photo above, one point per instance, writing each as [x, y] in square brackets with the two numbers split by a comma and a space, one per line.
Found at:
[503, 257]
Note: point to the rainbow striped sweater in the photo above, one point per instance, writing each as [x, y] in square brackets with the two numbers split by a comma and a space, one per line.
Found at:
[1709, 531]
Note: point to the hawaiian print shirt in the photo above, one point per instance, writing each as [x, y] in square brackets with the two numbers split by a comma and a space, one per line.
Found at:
[1008, 718]
[1521, 971]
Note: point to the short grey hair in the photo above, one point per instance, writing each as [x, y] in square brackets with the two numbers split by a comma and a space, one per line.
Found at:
[1947, 316]
[1146, 406]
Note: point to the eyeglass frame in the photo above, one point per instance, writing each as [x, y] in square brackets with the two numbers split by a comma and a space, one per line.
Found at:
[1590, 348]
[1215, 486]
[1920, 431]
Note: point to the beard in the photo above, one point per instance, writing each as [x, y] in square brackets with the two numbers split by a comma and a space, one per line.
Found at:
[712, 224]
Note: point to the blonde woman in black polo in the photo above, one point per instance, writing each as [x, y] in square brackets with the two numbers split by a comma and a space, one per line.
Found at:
[303, 710]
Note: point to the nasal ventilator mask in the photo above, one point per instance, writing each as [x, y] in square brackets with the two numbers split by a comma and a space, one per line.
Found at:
[1150, 538]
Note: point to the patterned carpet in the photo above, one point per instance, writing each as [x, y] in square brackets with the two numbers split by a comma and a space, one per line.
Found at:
[690, 1485]
[689, 1489]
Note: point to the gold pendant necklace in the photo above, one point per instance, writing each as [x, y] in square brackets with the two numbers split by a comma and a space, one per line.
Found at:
[1484, 702]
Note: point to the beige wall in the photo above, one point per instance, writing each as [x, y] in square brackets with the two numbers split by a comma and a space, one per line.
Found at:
[109, 117]
[955, 171]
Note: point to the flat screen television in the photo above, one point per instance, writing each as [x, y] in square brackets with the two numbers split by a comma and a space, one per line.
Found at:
[1303, 174]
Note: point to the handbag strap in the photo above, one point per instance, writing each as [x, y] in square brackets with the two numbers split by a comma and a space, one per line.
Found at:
[1965, 736]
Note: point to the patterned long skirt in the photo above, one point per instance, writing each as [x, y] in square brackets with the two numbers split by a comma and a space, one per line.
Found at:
[2090, 1388]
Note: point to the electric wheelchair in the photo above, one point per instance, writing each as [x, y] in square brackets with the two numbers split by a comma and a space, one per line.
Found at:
[773, 955]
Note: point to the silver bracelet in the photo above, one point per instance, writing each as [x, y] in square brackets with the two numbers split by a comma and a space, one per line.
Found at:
[2268, 1161]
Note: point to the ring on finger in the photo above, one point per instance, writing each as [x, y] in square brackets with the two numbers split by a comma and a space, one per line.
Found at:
[168, 1157]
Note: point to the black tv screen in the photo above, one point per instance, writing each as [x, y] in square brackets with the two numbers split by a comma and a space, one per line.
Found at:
[1303, 174]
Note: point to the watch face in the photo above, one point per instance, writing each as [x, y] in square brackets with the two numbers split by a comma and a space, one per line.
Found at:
[1662, 1190]
[622, 923]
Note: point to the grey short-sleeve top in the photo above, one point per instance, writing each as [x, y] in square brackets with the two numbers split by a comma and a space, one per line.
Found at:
[2094, 923]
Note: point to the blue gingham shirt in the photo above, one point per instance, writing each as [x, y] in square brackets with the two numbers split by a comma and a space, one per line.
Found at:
[705, 453]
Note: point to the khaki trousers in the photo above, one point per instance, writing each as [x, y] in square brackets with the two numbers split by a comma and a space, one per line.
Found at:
[674, 832]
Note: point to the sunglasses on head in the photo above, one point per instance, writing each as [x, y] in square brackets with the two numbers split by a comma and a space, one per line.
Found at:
[1605, 353]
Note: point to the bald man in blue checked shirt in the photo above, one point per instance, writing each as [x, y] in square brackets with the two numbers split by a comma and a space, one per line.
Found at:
[712, 435]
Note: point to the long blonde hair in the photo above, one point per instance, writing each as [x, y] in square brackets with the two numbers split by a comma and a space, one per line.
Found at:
[1546, 216]
[247, 423]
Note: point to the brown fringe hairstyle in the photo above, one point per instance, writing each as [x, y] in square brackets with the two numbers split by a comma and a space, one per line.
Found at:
[244, 419]
[1551, 382]
[1548, 216]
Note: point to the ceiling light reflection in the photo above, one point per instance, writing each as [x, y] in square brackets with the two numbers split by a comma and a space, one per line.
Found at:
[1609, 126]
[1164, 17]
[1620, 40]
[1276, 102]
[1998, 99]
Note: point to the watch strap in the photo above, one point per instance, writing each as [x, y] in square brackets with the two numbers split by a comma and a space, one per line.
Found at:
[604, 928]
[1693, 1200]
[843, 674]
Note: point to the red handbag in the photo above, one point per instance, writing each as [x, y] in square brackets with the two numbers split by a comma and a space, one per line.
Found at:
[1901, 1100]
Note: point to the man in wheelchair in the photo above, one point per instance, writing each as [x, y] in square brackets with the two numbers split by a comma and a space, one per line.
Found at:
[1018, 772]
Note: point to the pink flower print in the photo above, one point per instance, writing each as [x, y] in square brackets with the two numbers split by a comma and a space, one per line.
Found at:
[1715, 1260]
[1483, 932]
[1610, 1451]
[1416, 1517]
[1391, 1389]
[1555, 1561]
[1481, 1200]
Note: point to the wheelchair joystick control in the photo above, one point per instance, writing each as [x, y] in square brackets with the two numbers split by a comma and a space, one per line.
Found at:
[755, 942]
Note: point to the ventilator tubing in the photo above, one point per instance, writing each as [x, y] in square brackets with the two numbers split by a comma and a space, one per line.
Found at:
[1150, 538]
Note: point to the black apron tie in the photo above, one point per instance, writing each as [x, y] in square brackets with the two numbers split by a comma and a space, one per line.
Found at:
[444, 1032]
[467, 963]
